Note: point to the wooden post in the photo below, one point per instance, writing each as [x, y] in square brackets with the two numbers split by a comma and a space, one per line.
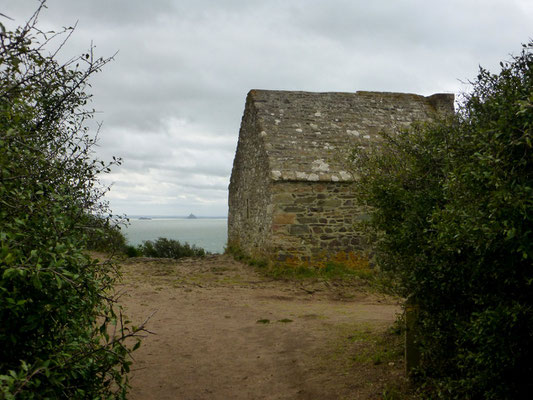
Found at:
[412, 351]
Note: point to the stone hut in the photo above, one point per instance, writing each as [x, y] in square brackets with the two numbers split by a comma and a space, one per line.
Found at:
[290, 190]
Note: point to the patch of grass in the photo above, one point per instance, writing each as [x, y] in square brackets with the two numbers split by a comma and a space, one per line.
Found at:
[393, 392]
[237, 252]
[364, 345]
[285, 320]
[260, 263]
[366, 278]
[374, 352]
[350, 268]
[379, 348]
[342, 265]
[263, 321]
[327, 271]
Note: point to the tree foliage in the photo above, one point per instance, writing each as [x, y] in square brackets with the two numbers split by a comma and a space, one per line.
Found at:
[60, 336]
[452, 213]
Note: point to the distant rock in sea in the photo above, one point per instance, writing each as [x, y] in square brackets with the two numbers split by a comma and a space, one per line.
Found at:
[192, 216]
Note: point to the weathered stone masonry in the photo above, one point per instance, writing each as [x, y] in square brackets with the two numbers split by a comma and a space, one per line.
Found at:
[312, 219]
[250, 196]
[290, 190]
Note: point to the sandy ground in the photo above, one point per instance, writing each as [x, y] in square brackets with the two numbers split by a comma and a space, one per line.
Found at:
[223, 331]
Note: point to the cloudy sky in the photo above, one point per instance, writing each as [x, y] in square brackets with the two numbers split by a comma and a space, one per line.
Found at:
[172, 100]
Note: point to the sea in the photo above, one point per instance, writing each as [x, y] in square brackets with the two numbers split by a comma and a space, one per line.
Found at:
[208, 233]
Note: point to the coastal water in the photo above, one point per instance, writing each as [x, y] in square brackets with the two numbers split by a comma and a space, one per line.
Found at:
[208, 233]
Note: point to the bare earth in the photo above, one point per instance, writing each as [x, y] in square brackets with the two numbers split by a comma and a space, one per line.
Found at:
[223, 331]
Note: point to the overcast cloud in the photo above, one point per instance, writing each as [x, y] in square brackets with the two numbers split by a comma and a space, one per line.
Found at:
[172, 100]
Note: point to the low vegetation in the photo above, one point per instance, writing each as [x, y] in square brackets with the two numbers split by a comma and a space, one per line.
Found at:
[327, 270]
[165, 248]
[452, 217]
[105, 235]
[343, 266]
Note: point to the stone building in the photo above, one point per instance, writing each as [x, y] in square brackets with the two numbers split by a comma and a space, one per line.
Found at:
[290, 190]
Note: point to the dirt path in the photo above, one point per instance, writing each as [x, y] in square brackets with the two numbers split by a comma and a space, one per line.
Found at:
[222, 331]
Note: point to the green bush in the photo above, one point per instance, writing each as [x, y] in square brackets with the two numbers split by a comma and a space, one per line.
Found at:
[132, 251]
[55, 306]
[104, 235]
[452, 219]
[169, 248]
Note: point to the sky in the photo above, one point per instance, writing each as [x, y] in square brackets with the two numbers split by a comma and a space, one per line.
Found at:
[172, 99]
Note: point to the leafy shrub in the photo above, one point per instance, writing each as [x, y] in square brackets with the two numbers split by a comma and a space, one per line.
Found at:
[132, 251]
[104, 235]
[169, 248]
[55, 309]
[453, 216]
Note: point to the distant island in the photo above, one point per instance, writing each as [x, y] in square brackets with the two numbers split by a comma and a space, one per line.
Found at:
[145, 218]
[192, 216]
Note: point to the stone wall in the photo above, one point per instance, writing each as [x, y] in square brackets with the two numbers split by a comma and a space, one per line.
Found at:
[290, 194]
[249, 199]
[313, 220]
